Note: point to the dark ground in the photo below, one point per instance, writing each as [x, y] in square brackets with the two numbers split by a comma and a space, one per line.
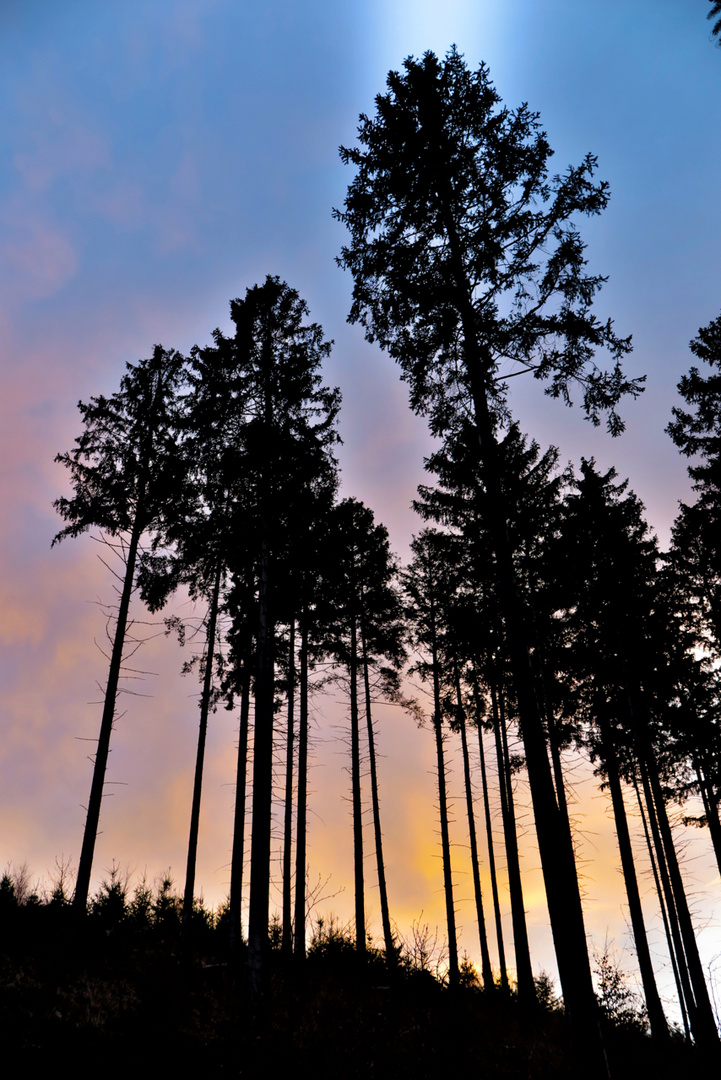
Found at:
[115, 999]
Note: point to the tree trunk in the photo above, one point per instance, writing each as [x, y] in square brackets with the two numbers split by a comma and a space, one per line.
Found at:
[238, 855]
[554, 839]
[524, 971]
[678, 963]
[287, 941]
[491, 853]
[262, 781]
[85, 864]
[701, 1015]
[301, 825]
[453, 969]
[553, 742]
[659, 1026]
[675, 926]
[390, 948]
[485, 957]
[703, 1022]
[360, 916]
[199, 760]
[551, 727]
[710, 805]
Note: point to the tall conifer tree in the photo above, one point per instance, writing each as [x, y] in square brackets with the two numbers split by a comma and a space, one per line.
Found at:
[288, 444]
[124, 471]
[465, 257]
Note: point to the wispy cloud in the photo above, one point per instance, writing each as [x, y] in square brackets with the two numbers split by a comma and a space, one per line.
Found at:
[41, 257]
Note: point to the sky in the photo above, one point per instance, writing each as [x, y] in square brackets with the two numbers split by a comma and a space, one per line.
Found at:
[160, 157]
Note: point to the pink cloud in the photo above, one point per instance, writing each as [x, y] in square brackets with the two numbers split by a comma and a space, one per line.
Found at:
[123, 205]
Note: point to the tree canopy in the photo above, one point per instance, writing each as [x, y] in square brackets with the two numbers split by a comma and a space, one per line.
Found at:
[462, 242]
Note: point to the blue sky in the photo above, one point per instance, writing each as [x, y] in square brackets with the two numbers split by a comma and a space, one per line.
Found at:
[157, 159]
[161, 157]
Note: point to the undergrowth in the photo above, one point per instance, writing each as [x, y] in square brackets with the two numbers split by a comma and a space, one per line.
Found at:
[112, 993]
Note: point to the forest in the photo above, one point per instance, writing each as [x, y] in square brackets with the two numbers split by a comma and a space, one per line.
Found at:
[538, 611]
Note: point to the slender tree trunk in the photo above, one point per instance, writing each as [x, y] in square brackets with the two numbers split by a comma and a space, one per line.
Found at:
[360, 916]
[390, 948]
[454, 974]
[491, 852]
[301, 825]
[85, 864]
[671, 910]
[701, 1015]
[710, 805]
[238, 855]
[262, 781]
[678, 963]
[703, 1022]
[659, 1026]
[287, 941]
[453, 969]
[524, 971]
[554, 741]
[554, 745]
[480, 917]
[199, 760]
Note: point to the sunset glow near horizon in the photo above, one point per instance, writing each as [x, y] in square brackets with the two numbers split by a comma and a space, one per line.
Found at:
[163, 156]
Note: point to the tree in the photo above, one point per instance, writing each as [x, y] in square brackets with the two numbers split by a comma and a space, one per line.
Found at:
[124, 471]
[465, 256]
[287, 940]
[489, 840]
[205, 704]
[620, 660]
[287, 451]
[460, 723]
[531, 488]
[715, 13]
[194, 536]
[696, 549]
[606, 591]
[426, 584]
[347, 652]
[694, 571]
[312, 542]
[366, 633]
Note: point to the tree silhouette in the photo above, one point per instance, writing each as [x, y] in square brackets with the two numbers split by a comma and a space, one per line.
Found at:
[427, 583]
[465, 256]
[531, 486]
[366, 637]
[287, 443]
[237, 682]
[314, 547]
[694, 574]
[478, 709]
[715, 13]
[619, 665]
[460, 724]
[696, 431]
[124, 471]
[606, 596]
[196, 538]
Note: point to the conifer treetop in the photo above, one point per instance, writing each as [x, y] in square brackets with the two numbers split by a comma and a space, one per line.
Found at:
[458, 232]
